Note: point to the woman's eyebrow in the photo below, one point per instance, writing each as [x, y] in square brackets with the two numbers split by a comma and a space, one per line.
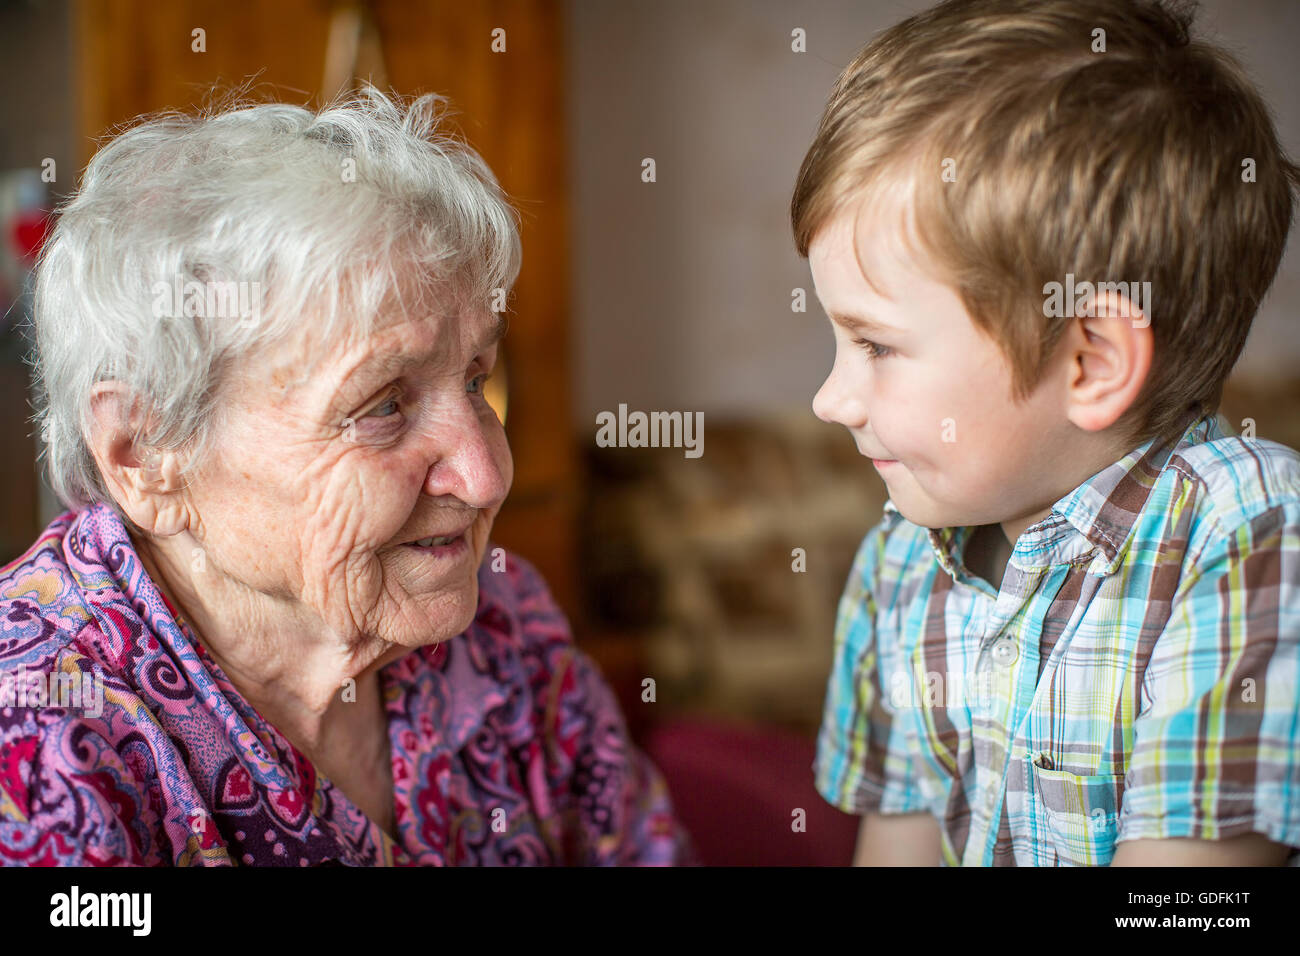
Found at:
[389, 363]
[495, 332]
[392, 363]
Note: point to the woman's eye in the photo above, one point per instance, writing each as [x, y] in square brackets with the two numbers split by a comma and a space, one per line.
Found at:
[475, 385]
[873, 350]
[379, 410]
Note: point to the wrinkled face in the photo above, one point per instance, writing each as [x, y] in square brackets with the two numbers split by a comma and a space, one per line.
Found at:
[924, 394]
[317, 490]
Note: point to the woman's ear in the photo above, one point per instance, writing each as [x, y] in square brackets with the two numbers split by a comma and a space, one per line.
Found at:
[146, 483]
[1110, 355]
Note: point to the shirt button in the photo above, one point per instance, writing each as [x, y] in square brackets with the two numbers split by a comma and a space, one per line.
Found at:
[1005, 652]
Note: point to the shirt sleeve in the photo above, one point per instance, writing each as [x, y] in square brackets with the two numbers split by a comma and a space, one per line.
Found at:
[1215, 749]
[611, 803]
[863, 762]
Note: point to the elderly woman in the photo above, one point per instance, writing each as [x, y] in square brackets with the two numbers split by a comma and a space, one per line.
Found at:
[262, 338]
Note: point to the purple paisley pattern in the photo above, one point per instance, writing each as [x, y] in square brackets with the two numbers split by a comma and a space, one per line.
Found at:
[508, 747]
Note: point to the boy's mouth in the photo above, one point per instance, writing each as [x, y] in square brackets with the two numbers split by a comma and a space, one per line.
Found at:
[884, 462]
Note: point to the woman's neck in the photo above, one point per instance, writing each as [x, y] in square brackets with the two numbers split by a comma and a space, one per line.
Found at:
[302, 679]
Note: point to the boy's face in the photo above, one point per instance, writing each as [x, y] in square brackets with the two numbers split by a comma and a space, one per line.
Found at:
[934, 411]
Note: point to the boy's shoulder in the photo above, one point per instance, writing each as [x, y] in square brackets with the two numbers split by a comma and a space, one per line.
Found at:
[1243, 495]
[1240, 479]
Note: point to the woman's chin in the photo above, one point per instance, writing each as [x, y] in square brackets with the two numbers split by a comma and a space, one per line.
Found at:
[431, 618]
[435, 594]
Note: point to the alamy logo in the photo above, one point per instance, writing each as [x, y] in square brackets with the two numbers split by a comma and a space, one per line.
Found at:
[653, 430]
[1079, 299]
[72, 689]
[102, 909]
[951, 690]
[209, 300]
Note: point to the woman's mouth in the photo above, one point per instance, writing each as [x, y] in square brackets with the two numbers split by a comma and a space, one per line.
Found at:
[448, 546]
[435, 542]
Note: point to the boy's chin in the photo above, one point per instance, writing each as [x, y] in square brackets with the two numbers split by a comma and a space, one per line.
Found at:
[928, 517]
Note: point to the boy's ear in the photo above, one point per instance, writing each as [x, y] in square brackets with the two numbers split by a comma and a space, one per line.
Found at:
[146, 483]
[1110, 354]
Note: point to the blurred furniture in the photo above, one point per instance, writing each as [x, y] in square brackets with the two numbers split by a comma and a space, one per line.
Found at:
[729, 567]
[1273, 407]
[739, 790]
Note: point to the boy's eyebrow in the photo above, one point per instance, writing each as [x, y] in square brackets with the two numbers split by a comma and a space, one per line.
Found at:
[860, 322]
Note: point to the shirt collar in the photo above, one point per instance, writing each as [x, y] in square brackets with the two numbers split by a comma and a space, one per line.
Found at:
[1097, 515]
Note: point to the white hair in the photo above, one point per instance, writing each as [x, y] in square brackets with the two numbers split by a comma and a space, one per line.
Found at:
[328, 215]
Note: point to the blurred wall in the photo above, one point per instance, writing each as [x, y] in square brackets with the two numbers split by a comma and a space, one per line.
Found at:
[682, 286]
[36, 122]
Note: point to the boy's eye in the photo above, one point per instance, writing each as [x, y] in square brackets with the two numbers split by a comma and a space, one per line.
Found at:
[873, 350]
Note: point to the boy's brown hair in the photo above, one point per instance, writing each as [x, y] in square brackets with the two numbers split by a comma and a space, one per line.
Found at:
[1132, 164]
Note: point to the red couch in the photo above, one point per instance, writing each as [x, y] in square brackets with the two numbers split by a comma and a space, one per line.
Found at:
[736, 789]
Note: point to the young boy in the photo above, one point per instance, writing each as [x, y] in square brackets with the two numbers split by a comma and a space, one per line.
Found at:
[1041, 229]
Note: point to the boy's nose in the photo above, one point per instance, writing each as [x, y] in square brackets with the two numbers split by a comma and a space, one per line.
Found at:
[835, 405]
[822, 403]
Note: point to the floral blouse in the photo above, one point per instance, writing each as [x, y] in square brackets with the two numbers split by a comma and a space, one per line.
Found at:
[123, 743]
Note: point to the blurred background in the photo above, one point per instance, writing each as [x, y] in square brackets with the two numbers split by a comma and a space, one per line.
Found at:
[675, 294]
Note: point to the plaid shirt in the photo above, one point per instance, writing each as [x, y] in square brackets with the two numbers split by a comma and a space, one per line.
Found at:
[1134, 678]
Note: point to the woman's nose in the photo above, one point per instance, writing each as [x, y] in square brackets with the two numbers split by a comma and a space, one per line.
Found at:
[472, 465]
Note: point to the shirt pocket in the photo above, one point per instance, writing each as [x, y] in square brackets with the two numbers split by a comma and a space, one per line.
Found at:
[1077, 815]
